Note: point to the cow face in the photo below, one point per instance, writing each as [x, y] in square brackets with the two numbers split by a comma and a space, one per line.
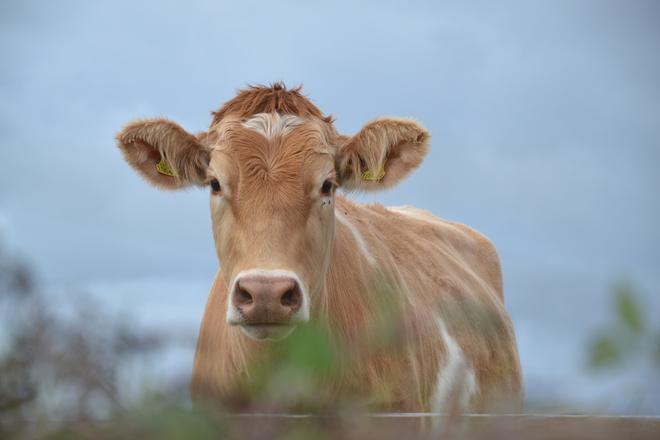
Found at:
[272, 177]
[273, 182]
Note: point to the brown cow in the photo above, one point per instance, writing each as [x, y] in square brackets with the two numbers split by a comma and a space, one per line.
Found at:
[294, 252]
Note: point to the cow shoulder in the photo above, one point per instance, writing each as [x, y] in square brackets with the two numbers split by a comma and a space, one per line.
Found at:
[453, 240]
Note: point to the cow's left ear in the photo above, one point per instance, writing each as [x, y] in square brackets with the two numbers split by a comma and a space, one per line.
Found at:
[382, 154]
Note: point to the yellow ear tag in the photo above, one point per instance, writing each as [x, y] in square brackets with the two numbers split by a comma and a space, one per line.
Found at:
[164, 168]
[368, 175]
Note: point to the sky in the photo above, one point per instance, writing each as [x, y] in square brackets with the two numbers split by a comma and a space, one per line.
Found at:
[545, 119]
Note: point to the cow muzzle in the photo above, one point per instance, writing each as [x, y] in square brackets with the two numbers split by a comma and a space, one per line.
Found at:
[267, 304]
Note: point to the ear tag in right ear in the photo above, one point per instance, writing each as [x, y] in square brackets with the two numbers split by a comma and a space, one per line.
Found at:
[368, 175]
[163, 167]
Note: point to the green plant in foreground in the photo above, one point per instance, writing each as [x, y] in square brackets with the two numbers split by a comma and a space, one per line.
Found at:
[629, 337]
[630, 346]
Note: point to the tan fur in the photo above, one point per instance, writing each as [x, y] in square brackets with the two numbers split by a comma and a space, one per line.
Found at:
[146, 142]
[405, 144]
[276, 98]
[384, 283]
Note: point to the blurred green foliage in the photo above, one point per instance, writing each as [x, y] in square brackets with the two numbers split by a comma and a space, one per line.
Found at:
[629, 337]
[59, 377]
[290, 377]
[62, 361]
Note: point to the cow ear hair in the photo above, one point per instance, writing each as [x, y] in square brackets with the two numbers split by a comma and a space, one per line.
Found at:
[164, 154]
[383, 153]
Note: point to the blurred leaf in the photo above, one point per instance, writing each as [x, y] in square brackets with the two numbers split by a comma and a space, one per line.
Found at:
[310, 350]
[308, 358]
[604, 352]
[293, 373]
[629, 310]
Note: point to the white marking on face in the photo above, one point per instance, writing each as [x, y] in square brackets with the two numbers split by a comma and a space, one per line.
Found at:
[362, 246]
[271, 125]
[302, 315]
[456, 379]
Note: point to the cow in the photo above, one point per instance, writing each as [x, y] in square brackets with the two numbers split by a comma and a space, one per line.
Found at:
[294, 252]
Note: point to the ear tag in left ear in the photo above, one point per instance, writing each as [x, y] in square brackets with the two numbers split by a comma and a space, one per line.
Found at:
[163, 167]
[368, 175]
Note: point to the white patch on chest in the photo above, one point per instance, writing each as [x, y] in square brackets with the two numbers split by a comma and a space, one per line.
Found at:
[457, 382]
[362, 245]
[271, 125]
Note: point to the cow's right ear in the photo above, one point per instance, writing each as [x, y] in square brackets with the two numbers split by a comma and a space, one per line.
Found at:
[164, 154]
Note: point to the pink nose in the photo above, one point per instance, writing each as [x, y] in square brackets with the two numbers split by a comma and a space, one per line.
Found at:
[263, 299]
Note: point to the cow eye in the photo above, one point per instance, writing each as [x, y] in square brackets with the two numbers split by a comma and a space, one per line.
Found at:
[215, 185]
[326, 188]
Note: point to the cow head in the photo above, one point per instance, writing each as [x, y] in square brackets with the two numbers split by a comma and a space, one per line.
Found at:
[272, 163]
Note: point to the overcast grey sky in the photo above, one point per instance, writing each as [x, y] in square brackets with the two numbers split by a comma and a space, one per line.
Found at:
[545, 119]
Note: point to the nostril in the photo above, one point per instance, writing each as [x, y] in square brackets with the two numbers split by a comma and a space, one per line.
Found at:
[291, 298]
[242, 298]
[287, 298]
